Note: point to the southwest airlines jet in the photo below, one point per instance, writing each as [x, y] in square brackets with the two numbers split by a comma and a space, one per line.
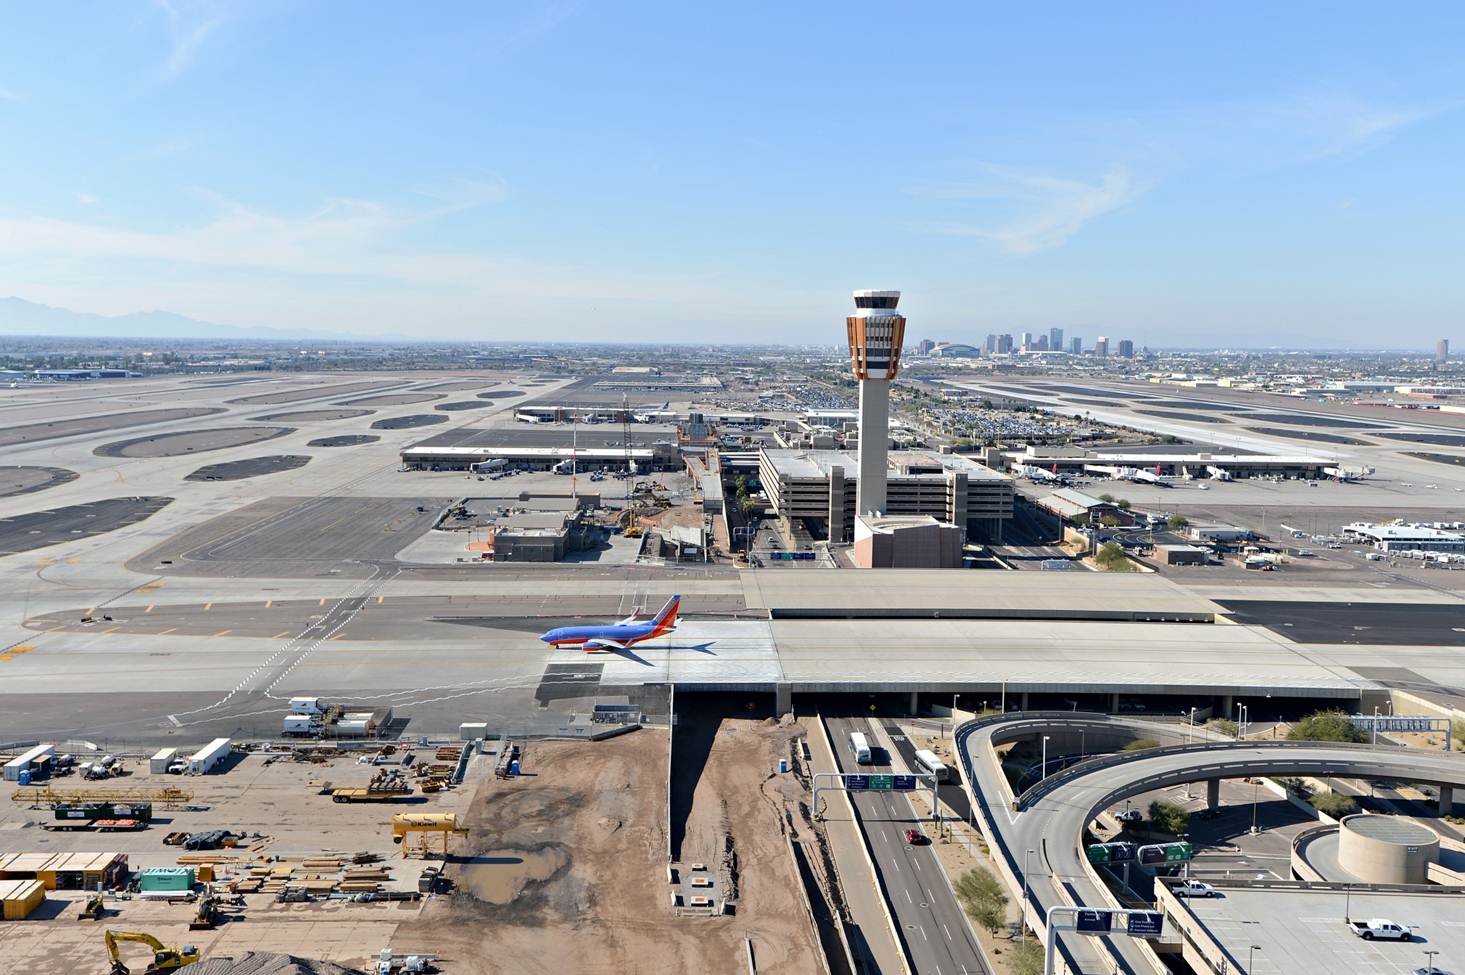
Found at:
[619, 636]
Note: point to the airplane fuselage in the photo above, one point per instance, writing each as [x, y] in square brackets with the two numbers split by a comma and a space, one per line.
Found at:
[574, 636]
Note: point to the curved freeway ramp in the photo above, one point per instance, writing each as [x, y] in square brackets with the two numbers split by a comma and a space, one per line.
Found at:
[1049, 819]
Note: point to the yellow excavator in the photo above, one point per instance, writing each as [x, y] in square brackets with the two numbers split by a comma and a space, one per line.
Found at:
[165, 959]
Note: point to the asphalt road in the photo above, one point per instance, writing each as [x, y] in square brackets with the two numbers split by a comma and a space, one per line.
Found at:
[1052, 824]
[1354, 623]
[931, 922]
[39, 529]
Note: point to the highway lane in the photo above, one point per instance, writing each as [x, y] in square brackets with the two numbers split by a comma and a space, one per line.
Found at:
[1052, 823]
[931, 921]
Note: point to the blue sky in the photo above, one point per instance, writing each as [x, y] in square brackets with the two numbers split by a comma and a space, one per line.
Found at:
[1195, 174]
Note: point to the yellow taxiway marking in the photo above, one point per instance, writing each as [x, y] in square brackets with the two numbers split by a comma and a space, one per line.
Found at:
[21, 648]
[339, 636]
[44, 561]
[55, 628]
[91, 611]
[380, 600]
[269, 603]
[222, 632]
[280, 634]
[6, 656]
[208, 605]
[167, 631]
[112, 629]
[322, 600]
[73, 561]
[150, 608]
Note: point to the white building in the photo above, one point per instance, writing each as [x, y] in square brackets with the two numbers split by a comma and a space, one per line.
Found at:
[1399, 538]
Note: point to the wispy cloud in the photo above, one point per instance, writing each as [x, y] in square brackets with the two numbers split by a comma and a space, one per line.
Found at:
[189, 24]
[1038, 211]
[86, 199]
[1315, 124]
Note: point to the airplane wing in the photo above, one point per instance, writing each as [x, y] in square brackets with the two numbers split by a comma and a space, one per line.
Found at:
[595, 646]
[627, 621]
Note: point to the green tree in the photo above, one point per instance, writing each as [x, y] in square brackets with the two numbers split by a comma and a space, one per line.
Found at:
[1326, 726]
[1107, 498]
[1458, 730]
[1334, 804]
[1026, 958]
[1224, 725]
[1111, 558]
[1124, 504]
[1140, 744]
[1166, 817]
[747, 505]
[1109, 521]
[983, 899]
[1175, 522]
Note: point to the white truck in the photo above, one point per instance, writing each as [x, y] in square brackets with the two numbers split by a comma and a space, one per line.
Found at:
[1381, 929]
[301, 726]
[307, 705]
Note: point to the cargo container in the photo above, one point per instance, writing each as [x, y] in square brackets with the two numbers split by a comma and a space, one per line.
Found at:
[18, 898]
[159, 763]
[301, 725]
[352, 728]
[91, 811]
[470, 731]
[159, 879]
[307, 705]
[204, 761]
[27, 762]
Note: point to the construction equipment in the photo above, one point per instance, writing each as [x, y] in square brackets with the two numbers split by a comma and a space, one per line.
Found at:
[385, 785]
[46, 795]
[405, 825]
[94, 908]
[165, 959]
[207, 914]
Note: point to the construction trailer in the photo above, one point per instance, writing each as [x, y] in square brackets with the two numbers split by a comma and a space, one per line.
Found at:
[18, 898]
[208, 758]
[406, 825]
[25, 767]
[66, 871]
[162, 761]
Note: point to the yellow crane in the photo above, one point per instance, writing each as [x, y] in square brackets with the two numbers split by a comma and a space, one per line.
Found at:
[165, 959]
[405, 825]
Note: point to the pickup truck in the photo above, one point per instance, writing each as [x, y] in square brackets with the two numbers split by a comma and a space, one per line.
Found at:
[1382, 929]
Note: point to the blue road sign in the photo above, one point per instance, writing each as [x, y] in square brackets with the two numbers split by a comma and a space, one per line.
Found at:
[857, 783]
[1145, 924]
[1119, 852]
[1094, 922]
[905, 783]
[1152, 854]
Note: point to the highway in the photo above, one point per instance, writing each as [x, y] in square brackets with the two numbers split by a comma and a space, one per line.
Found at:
[1054, 814]
[937, 937]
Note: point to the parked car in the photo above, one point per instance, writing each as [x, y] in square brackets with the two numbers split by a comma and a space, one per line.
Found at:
[1382, 929]
[1194, 888]
[1431, 970]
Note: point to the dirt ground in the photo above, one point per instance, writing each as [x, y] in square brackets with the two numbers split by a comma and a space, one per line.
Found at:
[567, 866]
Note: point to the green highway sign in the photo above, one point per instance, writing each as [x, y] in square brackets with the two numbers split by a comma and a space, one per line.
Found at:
[882, 783]
[1099, 853]
[1178, 852]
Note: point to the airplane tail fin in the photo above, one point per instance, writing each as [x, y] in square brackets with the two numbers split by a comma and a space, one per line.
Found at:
[666, 617]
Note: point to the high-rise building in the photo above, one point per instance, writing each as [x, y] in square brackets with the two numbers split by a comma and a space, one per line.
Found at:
[1055, 339]
[1027, 341]
[876, 332]
[925, 346]
[1442, 351]
[990, 346]
[1101, 346]
[1042, 345]
[1004, 343]
[1126, 349]
[1075, 345]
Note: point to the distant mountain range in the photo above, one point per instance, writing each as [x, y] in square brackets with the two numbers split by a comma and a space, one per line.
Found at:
[21, 317]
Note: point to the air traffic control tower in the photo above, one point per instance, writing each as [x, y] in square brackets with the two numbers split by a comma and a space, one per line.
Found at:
[876, 333]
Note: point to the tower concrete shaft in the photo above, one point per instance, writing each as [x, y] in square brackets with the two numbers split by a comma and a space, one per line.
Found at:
[876, 334]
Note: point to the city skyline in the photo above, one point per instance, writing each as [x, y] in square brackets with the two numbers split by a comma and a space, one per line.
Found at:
[435, 176]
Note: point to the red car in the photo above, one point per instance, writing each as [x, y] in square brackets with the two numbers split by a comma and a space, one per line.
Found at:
[915, 837]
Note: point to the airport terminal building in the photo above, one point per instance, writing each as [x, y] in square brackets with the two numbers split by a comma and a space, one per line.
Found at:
[818, 487]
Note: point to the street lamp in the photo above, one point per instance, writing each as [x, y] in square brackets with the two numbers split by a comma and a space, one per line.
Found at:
[1242, 716]
[1256, 789]
[1375, 740]
[1190, 729]
[1429, 958]
[1250, 956]
[1045, 755]
[1025, 893]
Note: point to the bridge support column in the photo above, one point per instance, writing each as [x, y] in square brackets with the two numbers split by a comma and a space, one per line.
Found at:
[1228, 705]
[1213, 793]
[783, 699]
[915, 705]
[1113, 703]
[1024, 700]
[1447, 799]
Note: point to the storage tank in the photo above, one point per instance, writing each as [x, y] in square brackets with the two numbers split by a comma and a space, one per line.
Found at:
[158, 764]
[1386, 849]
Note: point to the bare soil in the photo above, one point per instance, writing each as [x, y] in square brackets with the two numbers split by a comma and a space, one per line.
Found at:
[565, 867]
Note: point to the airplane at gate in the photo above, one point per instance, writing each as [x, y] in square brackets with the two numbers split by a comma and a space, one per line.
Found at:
[618, 636]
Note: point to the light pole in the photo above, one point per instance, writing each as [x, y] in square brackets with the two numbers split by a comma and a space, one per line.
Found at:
[1256, 791]
[1045, 755]
[1375, 741]
[1429, 958]
[1025, 893]
[1251, 956]
[1242, 715]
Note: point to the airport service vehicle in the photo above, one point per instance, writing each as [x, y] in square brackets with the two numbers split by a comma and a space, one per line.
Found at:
[916, 838]
[617, 636]
[1194, 888]
[926, 761]
[1129, 816]
[860, 745]
[1381, 929]
[1431, 970]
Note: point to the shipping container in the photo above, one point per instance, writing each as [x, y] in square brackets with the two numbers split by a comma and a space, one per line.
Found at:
[159, 879]
[18, 898]
[158, 764]
[300, 725]
[203, 762]
[470, 731]
[352, 729]
[25, 762]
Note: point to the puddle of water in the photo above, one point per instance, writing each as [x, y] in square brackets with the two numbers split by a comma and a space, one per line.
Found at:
[497, 877]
